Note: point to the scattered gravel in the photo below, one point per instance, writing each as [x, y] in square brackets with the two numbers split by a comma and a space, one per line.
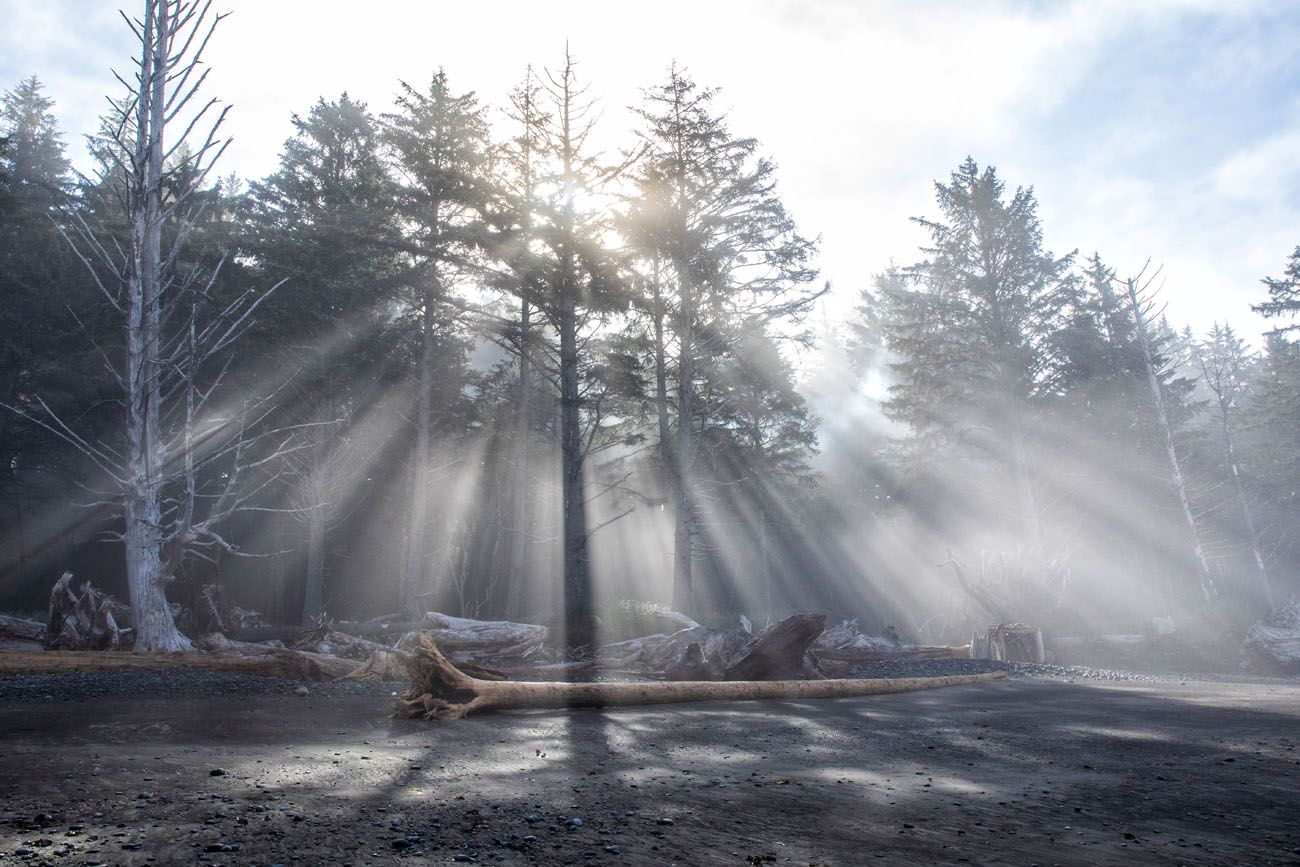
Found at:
[168, 684]
[941, 667]
[193, 683]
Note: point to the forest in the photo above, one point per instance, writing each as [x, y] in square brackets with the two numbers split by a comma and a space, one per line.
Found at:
[472, 467]
[451, 357]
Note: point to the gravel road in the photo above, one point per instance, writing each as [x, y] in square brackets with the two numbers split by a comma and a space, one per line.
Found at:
[166, 768]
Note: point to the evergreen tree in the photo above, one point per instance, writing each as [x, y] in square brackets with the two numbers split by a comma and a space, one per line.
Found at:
[325, 224]
[44, 347]
[712, 219]
[440, 147]
[974, 329]
[582, 286]
[1283, 292]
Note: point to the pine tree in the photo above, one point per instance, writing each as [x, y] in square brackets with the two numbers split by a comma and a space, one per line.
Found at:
[1225, 365]
[1283, 292]
[440, 145]
[325, 224]
[42, 344]
[974, 330]
[582, 285]
[713, 219]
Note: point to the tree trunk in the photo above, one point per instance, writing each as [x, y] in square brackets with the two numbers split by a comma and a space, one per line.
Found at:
[1248, 519]
[522, 517]
[146, 572]
[440, 691]
[314, 590]
[684, 455]
[413, 575]
[579, 623]
[1208, 590]
[579, 617]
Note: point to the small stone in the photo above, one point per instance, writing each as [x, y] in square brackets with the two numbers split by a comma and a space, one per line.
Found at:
[402, 843]
[575, 822]
[663, 821]
[462, 858]
[613, 850]
[302, 690]
[216, 772]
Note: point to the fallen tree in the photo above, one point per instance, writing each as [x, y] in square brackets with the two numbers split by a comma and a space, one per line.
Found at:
[19, 634]
[439, 690]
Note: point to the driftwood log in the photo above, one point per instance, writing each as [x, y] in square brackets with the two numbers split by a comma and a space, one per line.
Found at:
[781, 653]
[84, 619]
[19, 634]
[441, 691]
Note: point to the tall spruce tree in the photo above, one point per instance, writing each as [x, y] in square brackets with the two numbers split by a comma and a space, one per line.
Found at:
[973, 329]
[325, 224]
[440, 147]
[582, 285]
[716, 227]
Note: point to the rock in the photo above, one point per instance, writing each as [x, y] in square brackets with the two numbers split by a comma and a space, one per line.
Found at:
[613, 850]
[216, 772]
[402, 843]
[302, 690]
[575, 822]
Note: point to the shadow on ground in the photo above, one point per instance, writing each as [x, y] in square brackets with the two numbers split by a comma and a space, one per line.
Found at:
[1017, 772]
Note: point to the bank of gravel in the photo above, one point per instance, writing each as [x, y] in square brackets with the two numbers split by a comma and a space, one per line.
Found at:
[169, 684]
[196, 683]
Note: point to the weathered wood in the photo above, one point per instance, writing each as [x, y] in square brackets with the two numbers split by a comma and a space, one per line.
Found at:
[440, 691]
[382, 665]
[1010, 642]
[18, 629]
[1277, 637]
[781, 652]
[83, 619]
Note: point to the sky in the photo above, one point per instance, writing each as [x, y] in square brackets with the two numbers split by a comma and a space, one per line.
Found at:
[1167, 131]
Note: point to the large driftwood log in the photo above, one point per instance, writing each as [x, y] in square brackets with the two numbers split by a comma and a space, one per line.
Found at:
[781, 653]
[84, 619]
[19, 634]
[441, 691]
[489, 644]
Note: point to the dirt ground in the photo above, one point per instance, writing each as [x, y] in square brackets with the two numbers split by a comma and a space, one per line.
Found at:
[1015, 772]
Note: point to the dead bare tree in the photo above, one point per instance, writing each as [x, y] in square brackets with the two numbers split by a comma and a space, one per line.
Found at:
[177, 332]
[1220, 360]
[1140, 305]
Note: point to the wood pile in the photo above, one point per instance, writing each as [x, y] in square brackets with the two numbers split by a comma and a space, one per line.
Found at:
[84, 619]
[496, 651]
